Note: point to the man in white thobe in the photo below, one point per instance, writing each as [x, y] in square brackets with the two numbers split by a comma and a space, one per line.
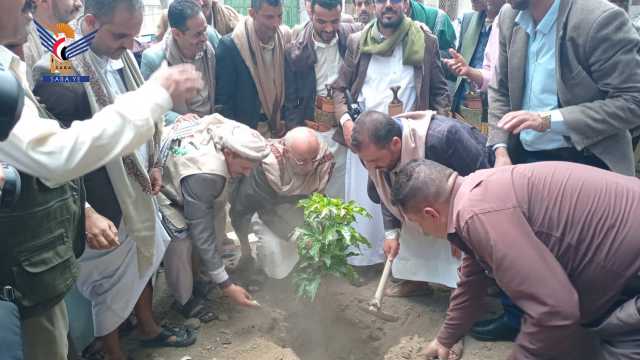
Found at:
[121, 203]
[391, 66]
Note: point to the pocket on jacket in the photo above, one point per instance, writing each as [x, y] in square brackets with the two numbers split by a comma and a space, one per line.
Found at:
[46, 274]
[579, 79]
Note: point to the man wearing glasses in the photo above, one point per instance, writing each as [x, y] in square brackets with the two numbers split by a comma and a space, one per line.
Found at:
[391, 52]
[299, 165]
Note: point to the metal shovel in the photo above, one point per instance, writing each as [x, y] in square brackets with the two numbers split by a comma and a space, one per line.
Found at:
[375, 305]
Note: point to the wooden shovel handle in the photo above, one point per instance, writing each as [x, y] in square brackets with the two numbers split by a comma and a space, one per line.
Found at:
[383, 281]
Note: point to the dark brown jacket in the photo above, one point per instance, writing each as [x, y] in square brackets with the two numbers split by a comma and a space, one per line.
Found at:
[432, 92]
[300, 75]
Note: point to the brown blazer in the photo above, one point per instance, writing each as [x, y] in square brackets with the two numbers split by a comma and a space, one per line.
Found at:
[300, 74]
[432, 91]
[598, 78]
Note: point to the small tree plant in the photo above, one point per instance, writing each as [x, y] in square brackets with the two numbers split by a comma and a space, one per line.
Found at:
[325, 242]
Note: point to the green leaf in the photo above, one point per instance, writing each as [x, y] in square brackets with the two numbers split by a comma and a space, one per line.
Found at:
[325, 242]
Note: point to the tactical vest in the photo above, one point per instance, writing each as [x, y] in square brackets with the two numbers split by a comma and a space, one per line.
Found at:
[40, 239]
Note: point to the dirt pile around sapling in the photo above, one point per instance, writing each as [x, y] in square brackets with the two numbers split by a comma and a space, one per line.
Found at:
[332, 328]
[261, 348]
[408, 349]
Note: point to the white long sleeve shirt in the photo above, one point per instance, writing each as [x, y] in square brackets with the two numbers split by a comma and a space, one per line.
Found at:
[41, 148]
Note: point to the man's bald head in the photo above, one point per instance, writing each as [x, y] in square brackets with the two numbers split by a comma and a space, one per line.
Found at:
[303, 143]
[302, 146]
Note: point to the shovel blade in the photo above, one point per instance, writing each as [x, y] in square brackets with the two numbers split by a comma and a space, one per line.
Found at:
[377, 312]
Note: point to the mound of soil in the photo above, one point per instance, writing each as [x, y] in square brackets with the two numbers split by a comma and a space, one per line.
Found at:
[261, 348]
[408, 349]
[332, 328]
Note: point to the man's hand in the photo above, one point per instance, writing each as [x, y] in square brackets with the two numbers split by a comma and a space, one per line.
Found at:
[181, 81]
[434, 351]
[239, 295]
[457, 64]
[101, 233]
[502, 158]
[391, 248]
[347, 130]
[155, 176]
[1, 177]
[516, 121]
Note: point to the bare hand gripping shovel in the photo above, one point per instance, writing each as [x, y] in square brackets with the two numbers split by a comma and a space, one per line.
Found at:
[375, 305]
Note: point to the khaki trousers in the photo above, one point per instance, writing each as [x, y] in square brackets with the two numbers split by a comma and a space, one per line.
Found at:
[45, 336]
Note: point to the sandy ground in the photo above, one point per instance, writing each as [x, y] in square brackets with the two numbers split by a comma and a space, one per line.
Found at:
[332, 328]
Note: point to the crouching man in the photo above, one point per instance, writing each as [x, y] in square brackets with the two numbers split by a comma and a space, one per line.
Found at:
[200, 158]
[298, 165]
[559, 238]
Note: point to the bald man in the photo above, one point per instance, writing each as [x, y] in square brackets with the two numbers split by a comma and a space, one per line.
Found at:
[299, 165]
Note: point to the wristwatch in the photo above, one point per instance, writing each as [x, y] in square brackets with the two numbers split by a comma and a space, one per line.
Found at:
[546, 120]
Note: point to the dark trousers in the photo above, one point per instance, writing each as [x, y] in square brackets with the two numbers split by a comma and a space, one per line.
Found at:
[513, 314]
[564, 154]
[10, 332]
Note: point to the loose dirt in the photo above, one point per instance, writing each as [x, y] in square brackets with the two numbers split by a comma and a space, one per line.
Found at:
[331, 328]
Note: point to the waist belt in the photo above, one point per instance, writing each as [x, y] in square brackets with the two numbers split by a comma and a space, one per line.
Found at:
[8, 294]
[324, 115]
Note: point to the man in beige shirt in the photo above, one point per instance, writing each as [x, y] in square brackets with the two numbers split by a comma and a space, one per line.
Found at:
[561, 239]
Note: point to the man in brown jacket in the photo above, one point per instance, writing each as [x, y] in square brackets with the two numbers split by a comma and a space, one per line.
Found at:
[311, 64]
[390, 32]
[560, 239]
[392, 66]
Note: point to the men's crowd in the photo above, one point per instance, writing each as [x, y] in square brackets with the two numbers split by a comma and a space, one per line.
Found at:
[510, 132]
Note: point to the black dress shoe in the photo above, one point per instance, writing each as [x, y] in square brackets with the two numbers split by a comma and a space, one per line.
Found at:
[497, 329]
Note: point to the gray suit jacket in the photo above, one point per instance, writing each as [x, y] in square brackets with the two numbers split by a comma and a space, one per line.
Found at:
[598, 79]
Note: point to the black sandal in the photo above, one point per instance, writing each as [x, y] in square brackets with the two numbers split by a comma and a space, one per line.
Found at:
[183, 337]
[196, 308]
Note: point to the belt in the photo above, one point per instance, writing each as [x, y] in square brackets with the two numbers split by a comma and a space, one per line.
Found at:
[324, 115]
[8, 294]
[569, 154]
[318, 126]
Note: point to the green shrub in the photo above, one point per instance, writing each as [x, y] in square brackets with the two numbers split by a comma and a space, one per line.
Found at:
[325, 241]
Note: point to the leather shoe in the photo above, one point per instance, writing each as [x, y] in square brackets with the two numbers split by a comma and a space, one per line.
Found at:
[498, 329]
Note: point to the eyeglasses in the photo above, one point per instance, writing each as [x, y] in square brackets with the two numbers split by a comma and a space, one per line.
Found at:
[29, 6]
[304, 161]
[301, 162]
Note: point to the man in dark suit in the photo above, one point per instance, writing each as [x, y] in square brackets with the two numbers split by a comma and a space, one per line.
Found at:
[250, 69]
